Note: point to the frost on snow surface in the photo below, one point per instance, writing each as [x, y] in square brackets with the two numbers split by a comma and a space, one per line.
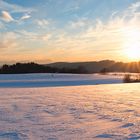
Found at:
[71, 113]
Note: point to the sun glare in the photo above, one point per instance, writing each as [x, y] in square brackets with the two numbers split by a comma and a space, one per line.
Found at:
[132, 45]
[133, 51]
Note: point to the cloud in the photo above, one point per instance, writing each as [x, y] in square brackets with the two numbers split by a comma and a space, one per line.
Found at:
[42, 23]
[6, 16]
[7, 9]
[46, 37]
[100, 39]
[78, 23]
[8, 40]
[32, 36]
[134, 6]
[71, 6]
[27, 35]
[26, 16]
[2, 25]
[13, 8]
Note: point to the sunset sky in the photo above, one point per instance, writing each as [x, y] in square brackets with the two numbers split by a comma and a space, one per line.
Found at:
[46, 31]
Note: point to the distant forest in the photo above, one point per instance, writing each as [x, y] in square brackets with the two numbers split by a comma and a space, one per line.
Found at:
[77, 67]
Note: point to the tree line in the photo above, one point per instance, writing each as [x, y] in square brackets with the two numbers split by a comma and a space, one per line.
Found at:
[77, 68]
[21, 68]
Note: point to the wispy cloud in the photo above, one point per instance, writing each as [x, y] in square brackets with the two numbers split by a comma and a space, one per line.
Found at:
[46, 37]
[42, 22]
[1, 25]
[13, 8]
[26, 35]
[78, 23]
[103, 38]
[32, 36]
[8, 40]
[7, 9]
[6, 16]
[81, 37]
[72, 6]
[26, 16]
[134, 7]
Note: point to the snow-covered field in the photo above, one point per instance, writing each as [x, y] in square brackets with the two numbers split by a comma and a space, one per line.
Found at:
[53, 80]
[87, 112]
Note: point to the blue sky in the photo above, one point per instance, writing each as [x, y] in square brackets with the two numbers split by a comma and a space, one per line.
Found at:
[58, 30]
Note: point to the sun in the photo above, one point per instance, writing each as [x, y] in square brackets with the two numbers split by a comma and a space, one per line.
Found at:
[131, 47]
[132, 51]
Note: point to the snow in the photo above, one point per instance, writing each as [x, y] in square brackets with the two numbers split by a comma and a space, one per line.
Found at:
[53, 80]
[70, 113]
[31, 110]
